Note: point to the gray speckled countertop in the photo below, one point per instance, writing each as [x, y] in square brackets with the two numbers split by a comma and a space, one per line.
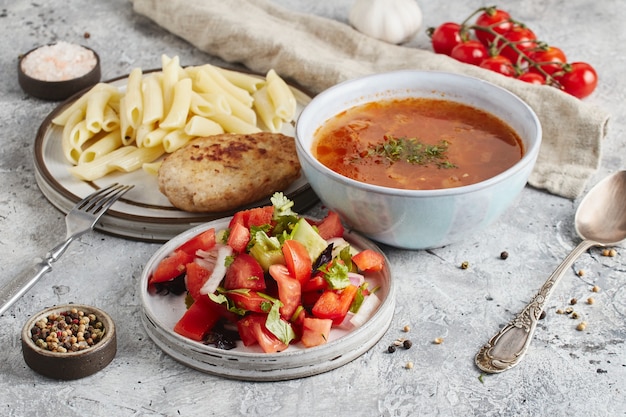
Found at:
[566, 372]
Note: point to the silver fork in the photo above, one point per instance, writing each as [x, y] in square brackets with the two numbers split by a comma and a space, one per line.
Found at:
[80, 220]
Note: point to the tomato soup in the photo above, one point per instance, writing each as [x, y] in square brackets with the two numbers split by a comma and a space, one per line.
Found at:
[417, 143]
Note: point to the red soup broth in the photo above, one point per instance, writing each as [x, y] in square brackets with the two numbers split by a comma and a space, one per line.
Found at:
[417, 143]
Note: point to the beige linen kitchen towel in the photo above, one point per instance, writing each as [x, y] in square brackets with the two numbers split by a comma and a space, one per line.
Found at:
[317, 53]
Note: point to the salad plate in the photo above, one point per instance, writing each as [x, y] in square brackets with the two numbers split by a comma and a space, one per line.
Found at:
[143, 213]
[160, 313]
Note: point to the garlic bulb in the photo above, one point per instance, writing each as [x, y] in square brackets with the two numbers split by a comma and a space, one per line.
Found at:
[393, 21]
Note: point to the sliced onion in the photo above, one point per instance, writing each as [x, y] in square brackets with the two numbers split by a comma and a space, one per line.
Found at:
[219, 269]
[367, 309]
[356, 279]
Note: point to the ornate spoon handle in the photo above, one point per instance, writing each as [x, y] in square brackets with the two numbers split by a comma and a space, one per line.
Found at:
[507, 347]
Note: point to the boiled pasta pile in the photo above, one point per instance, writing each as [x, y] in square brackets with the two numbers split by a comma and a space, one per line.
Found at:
[108, 129]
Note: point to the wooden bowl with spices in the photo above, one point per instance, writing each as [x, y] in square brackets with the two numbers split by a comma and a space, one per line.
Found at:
[57, 71]
[70, 341]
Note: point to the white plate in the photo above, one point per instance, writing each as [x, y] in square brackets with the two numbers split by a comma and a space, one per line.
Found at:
[143, 213]
[161, 312]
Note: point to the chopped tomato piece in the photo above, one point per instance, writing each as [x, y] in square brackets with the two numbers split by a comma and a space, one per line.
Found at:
[315, 331]
[330, 226]
[252, 330]
[203, 241]
[171, 267]
[249, 300]
[289, 291]
[198, 320]
[315, 283]
[297, 260]
[257, 216]
[334, 305]
[244, 272]
[195, 279]
[238, 237]
[369, 260]
[260, 216]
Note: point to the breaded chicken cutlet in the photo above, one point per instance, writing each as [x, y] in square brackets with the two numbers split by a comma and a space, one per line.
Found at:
[224, 172]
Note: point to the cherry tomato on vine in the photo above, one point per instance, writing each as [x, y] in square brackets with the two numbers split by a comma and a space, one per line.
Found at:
[470, 52]
[580, 80]
[445, 37]
[550, 59]
[523, 38]
[496, 19]
[498, 64]
[532, 78]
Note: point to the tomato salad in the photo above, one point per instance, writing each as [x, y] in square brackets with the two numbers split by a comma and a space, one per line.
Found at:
[271, 275]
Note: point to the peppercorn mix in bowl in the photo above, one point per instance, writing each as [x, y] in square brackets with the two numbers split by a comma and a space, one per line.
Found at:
[57, 71]
[417, 159]
[69, 342]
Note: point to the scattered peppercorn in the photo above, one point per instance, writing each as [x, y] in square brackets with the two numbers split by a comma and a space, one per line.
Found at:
[573, 301]
[407, 328]
[71, 330]
[609, 252]
[569, 310]
[595, 288]
[407, 344]
[575, 315]
[438, 341]
[504, 255]
[391, 349]
[590, 300]
[409, 365]
[559, 311]
[87, 35]
[464, 265]
[581, 273]
[581, 326]
[542, 315]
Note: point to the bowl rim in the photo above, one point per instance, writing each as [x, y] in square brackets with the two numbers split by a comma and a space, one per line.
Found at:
[529, 156]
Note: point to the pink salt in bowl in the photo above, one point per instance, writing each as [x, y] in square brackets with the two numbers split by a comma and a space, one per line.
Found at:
[57, 71]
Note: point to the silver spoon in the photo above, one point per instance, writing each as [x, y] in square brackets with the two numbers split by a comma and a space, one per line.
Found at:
[600, 221]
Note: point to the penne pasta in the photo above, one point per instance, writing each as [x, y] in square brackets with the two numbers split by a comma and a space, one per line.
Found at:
[100, 167]
[133, 102]
[106, 144]
[177, 114]
[200, 126]
[204, 83]
[66, 143]
[81, 103]
[208, 104]
[152, 100]
[79, 135]
[171, 74]
[134, 160]
[142, 132]
[248, 82]
[110, 119]
[127, 132]
[281, 96]
[154, 137]
[220, 81]
[176, 139]
[241, 111]
[94, 114]
[152, 168]
[265, 109]
[233, 124]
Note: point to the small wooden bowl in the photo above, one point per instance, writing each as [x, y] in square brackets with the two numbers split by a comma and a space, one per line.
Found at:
[57, 90]
[70, 365]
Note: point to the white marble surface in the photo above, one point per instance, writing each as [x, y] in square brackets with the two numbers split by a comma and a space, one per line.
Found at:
[566, 372]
